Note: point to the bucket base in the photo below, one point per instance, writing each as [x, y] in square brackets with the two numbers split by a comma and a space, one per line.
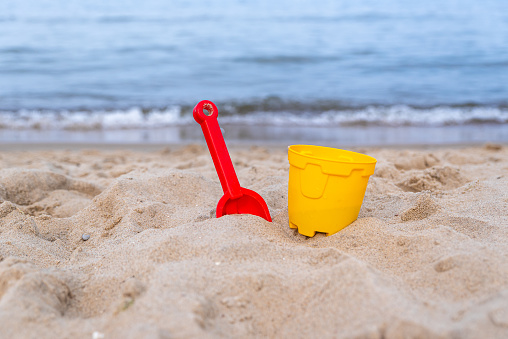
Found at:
[309, 232]
[305, 231]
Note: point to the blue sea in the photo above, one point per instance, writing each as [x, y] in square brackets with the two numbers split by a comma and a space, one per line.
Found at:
[353, 72]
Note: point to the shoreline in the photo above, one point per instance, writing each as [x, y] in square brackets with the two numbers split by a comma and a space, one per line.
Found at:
[350, 136]
[138, 147]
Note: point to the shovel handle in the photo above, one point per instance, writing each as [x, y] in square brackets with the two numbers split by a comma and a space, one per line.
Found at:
[217, 147]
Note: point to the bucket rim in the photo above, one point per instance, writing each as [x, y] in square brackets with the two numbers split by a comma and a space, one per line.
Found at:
[371, 160]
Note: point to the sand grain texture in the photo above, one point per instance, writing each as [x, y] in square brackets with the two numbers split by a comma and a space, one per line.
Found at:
[425, 259]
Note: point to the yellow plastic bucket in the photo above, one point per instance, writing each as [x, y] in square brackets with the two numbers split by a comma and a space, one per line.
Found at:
[326, 187]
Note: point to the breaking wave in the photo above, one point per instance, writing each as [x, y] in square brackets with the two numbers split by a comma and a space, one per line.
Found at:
[289, 114]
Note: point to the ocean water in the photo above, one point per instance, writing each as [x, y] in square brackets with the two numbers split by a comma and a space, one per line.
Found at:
[120, 67]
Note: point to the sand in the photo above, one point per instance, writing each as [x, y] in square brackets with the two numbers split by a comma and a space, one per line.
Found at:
[427, 257]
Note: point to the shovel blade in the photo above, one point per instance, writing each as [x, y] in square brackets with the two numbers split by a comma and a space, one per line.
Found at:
[249, 203]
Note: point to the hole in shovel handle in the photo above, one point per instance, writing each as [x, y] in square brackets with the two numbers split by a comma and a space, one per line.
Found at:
[205, 110]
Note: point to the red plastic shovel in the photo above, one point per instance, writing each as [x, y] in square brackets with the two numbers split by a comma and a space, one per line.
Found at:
[236, 199]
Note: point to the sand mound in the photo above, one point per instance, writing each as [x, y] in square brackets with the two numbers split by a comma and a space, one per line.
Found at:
[425, 259]
[24, 187]
[432, 179]
[423, 208]
[386, 170]
[29, 295]
[411, 160]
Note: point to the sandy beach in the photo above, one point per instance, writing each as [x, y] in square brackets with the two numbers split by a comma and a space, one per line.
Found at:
[425, 259]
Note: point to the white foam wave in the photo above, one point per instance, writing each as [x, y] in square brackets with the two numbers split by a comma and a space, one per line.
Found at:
[135, 118]
[398, 115]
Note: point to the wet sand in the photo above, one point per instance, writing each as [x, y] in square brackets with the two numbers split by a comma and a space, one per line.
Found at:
[266, 135]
